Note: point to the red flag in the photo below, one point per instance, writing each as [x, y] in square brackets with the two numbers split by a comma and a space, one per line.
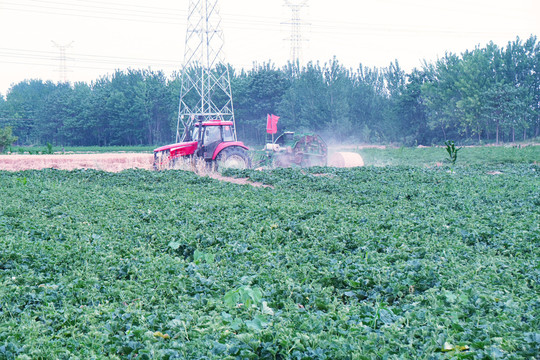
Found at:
[271, 124]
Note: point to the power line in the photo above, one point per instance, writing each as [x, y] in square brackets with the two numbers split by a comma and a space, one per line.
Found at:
[176, 17]
[325, 28]
[123, 5]
[142, 16]
[42, 53]
[160, 17]
[118, 9]
[85, 58]
[138, 18]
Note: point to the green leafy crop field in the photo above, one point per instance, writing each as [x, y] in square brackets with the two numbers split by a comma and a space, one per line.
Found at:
[396, 262]
[429, 156]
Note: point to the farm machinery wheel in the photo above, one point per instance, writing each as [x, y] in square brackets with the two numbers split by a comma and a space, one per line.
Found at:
[233, 157]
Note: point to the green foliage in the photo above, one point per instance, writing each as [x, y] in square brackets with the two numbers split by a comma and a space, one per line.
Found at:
[243, 296]
[371, 262]
[487, 93]
[452, 151]
[6, 138]
[106, 149]
[430, 156]
[88, 149]
[49, 149]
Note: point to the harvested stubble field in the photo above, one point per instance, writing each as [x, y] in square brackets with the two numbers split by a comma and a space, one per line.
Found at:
[365, 263]
[114, 162]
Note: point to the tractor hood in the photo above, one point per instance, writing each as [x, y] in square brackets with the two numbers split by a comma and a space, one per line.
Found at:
[179, 149]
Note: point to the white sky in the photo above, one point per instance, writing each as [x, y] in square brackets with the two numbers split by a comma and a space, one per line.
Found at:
[118, 34]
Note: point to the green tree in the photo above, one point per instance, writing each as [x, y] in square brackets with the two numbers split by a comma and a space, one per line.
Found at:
[76, 128]
[99, 116]
[369, 103]
[25, 102]
[479, 72]
[303, 106]
[6, 138]
[411, 111]
[519, 64]
[535, 85]
[160, 106]
[54, 112]
[3, 111]
[258, 93]
[395, 81]
[338, 97]
[441, 96]
[502, 102]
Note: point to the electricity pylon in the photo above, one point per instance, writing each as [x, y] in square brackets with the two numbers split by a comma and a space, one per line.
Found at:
[206, 86]
[296, 27]
[62, 69]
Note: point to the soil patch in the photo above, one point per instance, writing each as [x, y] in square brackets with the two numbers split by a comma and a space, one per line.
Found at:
[239, 181]
[108, 162]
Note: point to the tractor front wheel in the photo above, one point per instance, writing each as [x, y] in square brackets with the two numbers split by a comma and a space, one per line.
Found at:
[233, 157]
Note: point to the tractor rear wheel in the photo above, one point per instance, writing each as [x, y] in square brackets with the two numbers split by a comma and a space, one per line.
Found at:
[233, 157]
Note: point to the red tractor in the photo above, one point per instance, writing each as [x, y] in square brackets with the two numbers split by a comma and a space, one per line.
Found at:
[212, 140]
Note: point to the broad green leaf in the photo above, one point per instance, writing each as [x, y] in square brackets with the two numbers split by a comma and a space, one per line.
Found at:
[231, 298]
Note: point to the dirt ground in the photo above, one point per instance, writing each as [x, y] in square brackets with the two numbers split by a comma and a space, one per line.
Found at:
[108, 162]
[238, 181]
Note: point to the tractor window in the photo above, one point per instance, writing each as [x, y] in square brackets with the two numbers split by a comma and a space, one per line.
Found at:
[228, 133]
[195, 134]
[211, 134]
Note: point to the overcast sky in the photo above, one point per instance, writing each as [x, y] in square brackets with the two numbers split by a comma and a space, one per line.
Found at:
[104, 35]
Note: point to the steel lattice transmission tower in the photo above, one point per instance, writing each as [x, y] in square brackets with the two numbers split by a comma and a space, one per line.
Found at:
[62, 68]
[206, 85]
[296, 28]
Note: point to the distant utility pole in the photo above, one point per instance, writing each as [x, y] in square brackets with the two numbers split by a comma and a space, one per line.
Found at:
[296, 28]
[206, 85]
[62, 69]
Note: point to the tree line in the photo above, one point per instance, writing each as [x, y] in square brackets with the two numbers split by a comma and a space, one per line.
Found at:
[489, 94]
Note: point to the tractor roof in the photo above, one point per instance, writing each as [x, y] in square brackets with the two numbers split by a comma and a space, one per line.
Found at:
[215, 123]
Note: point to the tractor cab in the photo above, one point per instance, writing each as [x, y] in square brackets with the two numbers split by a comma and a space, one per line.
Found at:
[210, 135]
